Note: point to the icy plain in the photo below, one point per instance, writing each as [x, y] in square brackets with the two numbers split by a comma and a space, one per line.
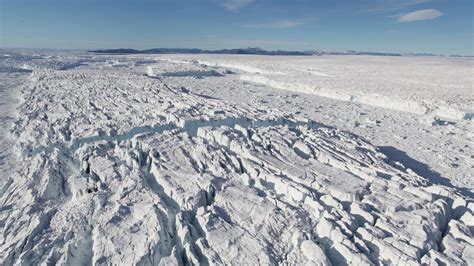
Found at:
[240, 160]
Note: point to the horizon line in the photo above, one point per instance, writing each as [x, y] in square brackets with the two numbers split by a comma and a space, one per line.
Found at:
[264, 49]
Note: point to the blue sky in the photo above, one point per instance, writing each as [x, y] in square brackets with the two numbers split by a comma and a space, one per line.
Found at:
[437, 26]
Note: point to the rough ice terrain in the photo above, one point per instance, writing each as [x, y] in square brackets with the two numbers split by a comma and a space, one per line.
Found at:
[239, 160]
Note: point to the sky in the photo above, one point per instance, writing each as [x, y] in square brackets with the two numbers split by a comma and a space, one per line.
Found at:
[419, 26]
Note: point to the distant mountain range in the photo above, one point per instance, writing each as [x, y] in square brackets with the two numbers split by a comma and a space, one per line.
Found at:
[351, 52]
[257, 51]
[251, 51]
[248, 51]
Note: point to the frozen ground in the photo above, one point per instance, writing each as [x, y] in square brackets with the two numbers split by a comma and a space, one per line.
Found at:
[235, 159]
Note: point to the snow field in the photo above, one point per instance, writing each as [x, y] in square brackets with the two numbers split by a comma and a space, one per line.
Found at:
[127, 163]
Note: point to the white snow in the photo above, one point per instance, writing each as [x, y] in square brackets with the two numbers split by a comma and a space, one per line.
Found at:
[240, 160]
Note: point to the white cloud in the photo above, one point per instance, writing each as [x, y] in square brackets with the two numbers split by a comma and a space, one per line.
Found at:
[425, 14]
[280, 24]
[233, 5]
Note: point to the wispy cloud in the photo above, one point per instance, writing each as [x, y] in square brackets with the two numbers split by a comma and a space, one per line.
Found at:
[234, 5]
[407, 3]
[393, 5]
[279, 24]
[425, 14]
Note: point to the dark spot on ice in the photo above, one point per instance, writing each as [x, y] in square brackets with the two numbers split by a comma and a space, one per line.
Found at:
[439, 122]
[90, 190]
[184, 90]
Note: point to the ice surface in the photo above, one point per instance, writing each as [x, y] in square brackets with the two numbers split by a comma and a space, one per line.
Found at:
[184, 160]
